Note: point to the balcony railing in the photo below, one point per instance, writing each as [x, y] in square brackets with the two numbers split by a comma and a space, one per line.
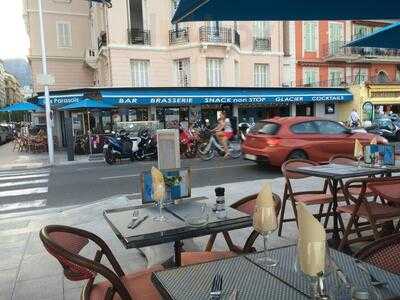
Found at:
[350, 80]
[215, 34]
[262, 44]
[236, 38]
[102, 40]
[139, 37]
[337, 49]
[180, 36]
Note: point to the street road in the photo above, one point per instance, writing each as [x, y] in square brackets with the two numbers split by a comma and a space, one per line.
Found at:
[34, 189]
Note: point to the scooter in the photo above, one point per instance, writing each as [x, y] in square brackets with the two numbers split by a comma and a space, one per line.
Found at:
[147, 147]
[120, 146]
[208, 149]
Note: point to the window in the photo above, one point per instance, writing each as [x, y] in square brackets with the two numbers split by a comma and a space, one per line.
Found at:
[182, 72]
[64, 35]
[305, 127]
[140, 73]
[237, 73]
[360, 75]
[336, 38]
[261, 30]
[214, 72]
[266, 128]
[310, 36]
[261, 75]
[336, 77]
[310, 77]
[329, 127]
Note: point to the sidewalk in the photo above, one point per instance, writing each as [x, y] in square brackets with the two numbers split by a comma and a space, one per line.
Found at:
[10, 159]
[28, 272]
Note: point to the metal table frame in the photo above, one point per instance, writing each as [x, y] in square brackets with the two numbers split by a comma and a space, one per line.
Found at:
[177, 235]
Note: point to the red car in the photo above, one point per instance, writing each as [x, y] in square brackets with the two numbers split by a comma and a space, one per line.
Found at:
[276, 140]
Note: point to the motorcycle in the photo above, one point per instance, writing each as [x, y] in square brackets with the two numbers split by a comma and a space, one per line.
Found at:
[207, 150]
[188, 139]
[120, 146]
[147, 147]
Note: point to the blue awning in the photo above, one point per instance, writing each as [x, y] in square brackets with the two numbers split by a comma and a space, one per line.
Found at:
[21, 106]
[252, 10]
[387, 37]
[60, 100]
[205, 96]
[87, 104]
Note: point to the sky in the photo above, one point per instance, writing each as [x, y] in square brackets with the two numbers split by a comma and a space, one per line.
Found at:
[14, 41]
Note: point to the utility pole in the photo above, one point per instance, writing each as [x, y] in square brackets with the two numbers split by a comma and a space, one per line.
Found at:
[46, 89]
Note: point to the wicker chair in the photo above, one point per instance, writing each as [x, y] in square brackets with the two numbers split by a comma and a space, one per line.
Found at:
[383, 253]
[65, 243]
[245, 205]
[376, 214]
[319, 197]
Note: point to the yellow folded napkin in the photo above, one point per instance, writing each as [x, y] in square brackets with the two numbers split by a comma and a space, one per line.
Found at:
[264, 218]
[158, 184]
[358, 149]
[265, 197]
[312, 242]
[374, 141]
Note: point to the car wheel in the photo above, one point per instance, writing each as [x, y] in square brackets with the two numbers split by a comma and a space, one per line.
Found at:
[297, 154]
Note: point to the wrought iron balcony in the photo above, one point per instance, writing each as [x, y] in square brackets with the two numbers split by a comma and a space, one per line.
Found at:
[138, 37]
[350, 80]
[215, 35]
[236, 38]
[262, 44]
[102, 40]
[336, 51]
[180, 36]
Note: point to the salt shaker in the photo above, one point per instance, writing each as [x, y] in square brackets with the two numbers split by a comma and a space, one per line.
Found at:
[220, 210]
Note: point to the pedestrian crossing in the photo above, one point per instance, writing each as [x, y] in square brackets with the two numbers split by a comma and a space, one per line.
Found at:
[23, 189]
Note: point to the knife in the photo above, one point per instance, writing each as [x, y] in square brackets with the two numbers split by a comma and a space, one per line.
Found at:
[138, 222]
[340, 274]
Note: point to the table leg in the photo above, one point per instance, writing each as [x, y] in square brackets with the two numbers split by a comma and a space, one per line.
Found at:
[335, 240]
[178, 250]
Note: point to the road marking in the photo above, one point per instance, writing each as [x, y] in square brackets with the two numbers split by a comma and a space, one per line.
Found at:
[25, 176]
[16, 183]
[3, 174]
[20, 192]
[21, 205]
[194, 169]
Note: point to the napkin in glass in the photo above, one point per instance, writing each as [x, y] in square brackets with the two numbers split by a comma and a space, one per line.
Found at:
[158, 184]
[358, 148]
[264, 219]
[312, 242]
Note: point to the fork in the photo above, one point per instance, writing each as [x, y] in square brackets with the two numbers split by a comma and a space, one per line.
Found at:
[135, 216]
[216, 288]
[374, 281]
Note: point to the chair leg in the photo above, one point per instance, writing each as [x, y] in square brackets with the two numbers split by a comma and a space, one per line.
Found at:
[210, 242]
[327, 215]
[346, 233]
[281, 219]
[321, 210]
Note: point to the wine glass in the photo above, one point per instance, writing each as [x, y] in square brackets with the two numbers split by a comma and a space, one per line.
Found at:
[314, 266]
[158, 194]
[358, 157]
[265, 222]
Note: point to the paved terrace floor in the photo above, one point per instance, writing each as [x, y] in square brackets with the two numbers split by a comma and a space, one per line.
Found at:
[28, 272]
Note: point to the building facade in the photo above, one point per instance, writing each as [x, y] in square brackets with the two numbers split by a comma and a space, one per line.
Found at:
[323, 61]
[13, 90]
[2, 85]
[67, 36]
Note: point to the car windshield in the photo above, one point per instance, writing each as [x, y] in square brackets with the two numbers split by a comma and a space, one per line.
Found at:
[266, 128]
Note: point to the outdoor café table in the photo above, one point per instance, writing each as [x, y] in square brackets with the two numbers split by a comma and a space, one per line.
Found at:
[252, 280]
[175, 229]
[335, 173]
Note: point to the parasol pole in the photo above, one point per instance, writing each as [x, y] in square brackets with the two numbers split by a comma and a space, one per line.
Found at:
[90, 142]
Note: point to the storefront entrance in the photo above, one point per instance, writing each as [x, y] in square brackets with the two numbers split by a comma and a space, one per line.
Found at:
[305, 110]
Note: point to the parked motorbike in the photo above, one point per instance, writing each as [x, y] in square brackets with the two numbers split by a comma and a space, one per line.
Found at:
[208, 149]
[120, 146]
[188, 141]
[385, 127]
[147, 147]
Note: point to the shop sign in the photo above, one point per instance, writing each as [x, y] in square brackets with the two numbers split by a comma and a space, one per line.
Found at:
[62, 100]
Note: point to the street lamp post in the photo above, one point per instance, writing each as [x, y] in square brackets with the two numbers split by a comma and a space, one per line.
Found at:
[46, 89]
